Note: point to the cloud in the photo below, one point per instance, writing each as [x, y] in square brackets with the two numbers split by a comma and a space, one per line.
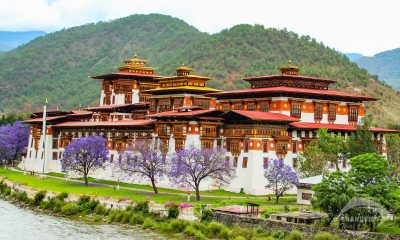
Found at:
[351, 26]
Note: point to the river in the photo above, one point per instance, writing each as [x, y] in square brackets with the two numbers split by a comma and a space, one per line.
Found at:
[20, 224]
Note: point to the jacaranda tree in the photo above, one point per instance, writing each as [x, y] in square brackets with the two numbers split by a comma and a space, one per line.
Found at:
[146, 160]
[280, 177]
[13, 141]
[84, 154]
[191, 166]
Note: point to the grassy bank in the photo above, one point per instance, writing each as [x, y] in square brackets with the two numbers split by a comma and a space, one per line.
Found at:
[216, 198]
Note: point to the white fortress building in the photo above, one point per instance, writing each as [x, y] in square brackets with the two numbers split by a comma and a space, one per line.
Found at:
[276, 118]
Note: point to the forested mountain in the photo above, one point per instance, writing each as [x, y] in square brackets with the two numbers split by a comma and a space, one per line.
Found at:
[353, 56]
[57, 66]
[385, 64]
[10, 40]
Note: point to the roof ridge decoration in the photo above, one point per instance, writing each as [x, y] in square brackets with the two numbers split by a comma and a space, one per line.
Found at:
[290, 69]
[136, 65]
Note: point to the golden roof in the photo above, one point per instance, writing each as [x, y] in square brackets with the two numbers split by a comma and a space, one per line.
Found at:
[136, 65]
[290, 69]
[183, 88]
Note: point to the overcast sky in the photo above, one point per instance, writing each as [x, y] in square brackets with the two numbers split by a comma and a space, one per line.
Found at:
[363, 26]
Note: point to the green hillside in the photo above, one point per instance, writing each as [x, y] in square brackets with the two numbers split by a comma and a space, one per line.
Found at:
[385, 64]
[57, 66]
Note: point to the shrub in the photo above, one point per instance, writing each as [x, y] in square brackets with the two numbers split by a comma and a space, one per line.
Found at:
[58, 204]
[397, 221]
[62, 196]
[113, 215]
[126, 216]
[142, 207]
[164, 227]
[70, 209]
[178, 225]
[206, 215]
[148, 223]
[83, 200]
[97, 218]
[89, 207]
[225, 234]
[22, 197]
[278, 234]
[295, 235]
[37, 200]
[242, 191]
[136, 219]
[325, 236]
[247, 233]
[199, 236]
[199, 226]
[389, 227]
[214, 229]
[6, 191]
[190, 231]
[173, 211]
[119, 216]
[240, 238]
[265, 215]
[100, 210]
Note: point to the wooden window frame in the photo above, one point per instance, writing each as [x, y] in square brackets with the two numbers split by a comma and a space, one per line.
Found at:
[244, 162]
[353, 114]
[318, 111]
[331, 112]
[295, 110]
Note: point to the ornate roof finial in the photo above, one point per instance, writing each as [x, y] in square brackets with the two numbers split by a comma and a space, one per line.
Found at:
[135, 56]
[290, 69]
[290, 62]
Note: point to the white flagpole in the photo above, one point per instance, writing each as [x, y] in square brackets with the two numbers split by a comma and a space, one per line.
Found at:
[44, 135]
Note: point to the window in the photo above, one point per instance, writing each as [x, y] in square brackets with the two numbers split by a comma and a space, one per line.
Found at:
[318, 111]
[55, 156]
[294, 146]
[238, 106]
[295, 163]
[112, 158]
[264, 107]
[246, 146]
[55, 142]
[235, 161]
[251, 107]
[344, 163]
[207, 144]
[332, 112]
[306, 196]
[225, 107]
[295, 110]
[179, 144]
[128, 98]
[353, 114]
[281, 148]
[60, 155]
[265, 161]
[244, 164]
[265, 146]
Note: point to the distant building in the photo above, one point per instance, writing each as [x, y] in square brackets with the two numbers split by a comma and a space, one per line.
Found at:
[276, 118]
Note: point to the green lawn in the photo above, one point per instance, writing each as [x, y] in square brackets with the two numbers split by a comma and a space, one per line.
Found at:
[225, 198]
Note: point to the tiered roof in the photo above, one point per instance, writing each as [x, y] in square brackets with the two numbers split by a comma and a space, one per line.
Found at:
[133, 68]
[183, 82]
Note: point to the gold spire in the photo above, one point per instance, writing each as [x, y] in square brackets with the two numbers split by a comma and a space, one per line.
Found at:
[136, 65]
[290, 69]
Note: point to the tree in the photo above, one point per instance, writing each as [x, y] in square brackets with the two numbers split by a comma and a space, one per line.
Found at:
[313, 161]
[361, 141]
[191, 166]
[13, 141]
[280, 177]
[371, 173]
[84, 154]
[332, 194]
[145, 160]
[393, 152]
[333, 146]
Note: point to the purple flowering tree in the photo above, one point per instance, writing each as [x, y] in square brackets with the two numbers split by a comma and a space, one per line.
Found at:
[145, 160]
[84, 154]
[280, 177]
[189, 167]
[13, 141]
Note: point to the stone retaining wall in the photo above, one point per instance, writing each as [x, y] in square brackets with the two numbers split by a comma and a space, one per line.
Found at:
[307, 230]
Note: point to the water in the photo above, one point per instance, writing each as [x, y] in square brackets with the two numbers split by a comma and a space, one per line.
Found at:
[20, 224]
